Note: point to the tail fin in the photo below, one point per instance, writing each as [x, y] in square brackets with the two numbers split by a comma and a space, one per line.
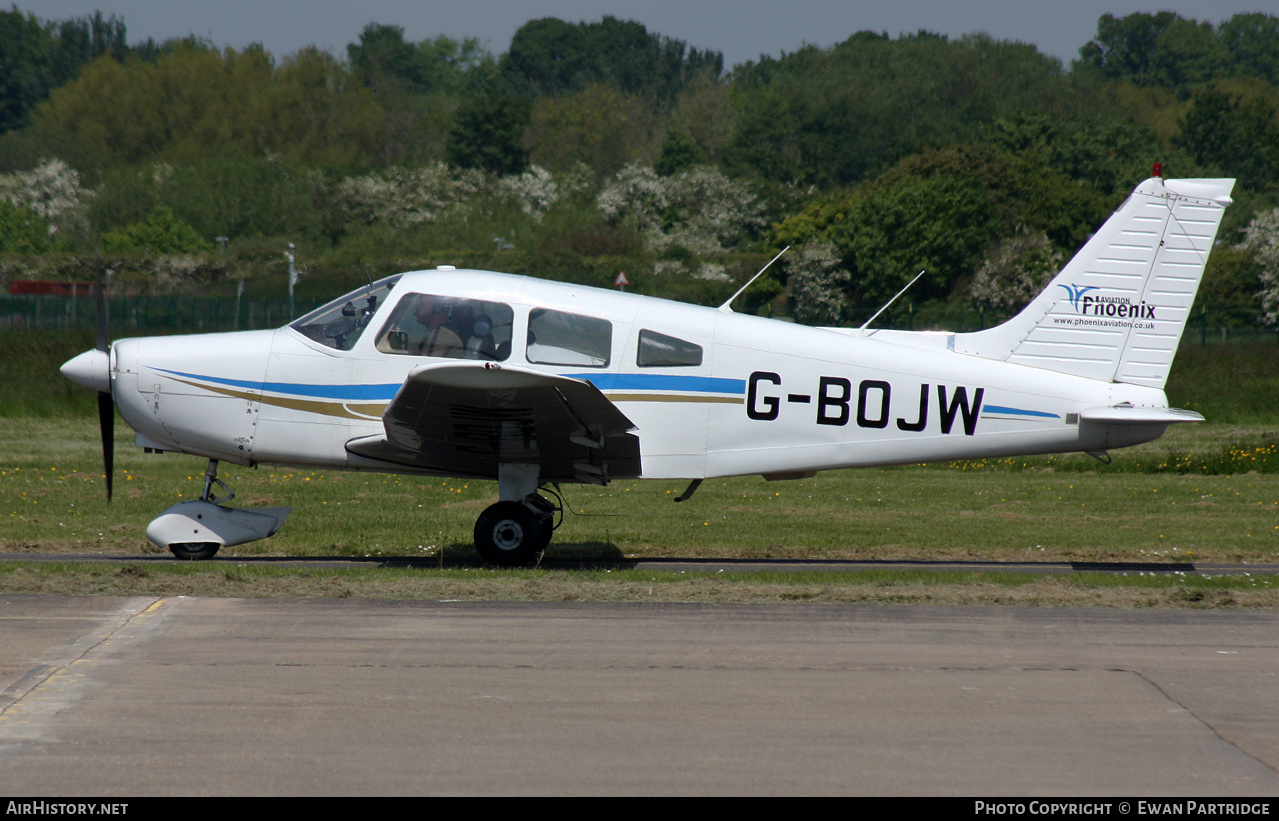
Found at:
[1117, 310]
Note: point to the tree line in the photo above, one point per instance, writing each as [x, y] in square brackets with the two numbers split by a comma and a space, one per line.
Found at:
[591, 147]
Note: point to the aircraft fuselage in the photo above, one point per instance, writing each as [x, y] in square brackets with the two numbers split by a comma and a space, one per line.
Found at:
[725, 394]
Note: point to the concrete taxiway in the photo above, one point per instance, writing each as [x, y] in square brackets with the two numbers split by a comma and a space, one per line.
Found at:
[187, 696]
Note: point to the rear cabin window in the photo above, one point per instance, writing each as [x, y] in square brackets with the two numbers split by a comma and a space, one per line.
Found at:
[662, 351]
[557, 338]
[450, 327]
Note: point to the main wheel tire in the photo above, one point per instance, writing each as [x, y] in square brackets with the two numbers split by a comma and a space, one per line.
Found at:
[509, 534]
[194, 551]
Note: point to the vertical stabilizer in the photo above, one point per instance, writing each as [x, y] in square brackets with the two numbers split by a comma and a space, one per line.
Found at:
[1116, 312]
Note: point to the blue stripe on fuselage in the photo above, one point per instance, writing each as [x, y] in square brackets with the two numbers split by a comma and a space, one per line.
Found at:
[661, 382]
[347, 393]
[1018, 412]
[386, 392]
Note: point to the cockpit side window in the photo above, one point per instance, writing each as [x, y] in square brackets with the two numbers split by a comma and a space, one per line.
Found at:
[558, 338]
[662, 351]
[451, 327]
[340, 323]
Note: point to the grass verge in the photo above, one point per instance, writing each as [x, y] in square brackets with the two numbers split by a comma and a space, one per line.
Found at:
[864, 587]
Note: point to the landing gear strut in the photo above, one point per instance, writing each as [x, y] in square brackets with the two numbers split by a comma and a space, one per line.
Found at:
[210, 478]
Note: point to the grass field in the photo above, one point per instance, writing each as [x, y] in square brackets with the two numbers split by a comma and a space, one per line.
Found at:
[1047, 508]
[1205, 493]
[52, 497]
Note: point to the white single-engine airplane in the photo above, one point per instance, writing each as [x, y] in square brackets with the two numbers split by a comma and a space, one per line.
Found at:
[472, 374]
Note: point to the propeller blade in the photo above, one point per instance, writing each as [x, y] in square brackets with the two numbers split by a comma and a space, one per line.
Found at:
[106, 422]
[106, 406]
[103, 343]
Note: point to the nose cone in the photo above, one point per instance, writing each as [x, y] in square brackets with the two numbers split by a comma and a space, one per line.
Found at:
[92, 369]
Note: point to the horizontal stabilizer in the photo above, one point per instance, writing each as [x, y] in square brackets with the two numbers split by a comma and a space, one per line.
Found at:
[1129, 415]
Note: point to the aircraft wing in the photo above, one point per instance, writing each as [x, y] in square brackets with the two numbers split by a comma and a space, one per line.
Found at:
[464, 419]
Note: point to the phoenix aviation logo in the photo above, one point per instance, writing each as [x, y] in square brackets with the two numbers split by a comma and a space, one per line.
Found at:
[1077, 292]
[1121, 307]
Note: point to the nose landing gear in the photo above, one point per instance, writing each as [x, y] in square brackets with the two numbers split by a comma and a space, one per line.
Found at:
[196, 529]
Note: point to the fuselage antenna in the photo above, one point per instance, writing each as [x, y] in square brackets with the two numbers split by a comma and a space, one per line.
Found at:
[891, 301]
[729, 310]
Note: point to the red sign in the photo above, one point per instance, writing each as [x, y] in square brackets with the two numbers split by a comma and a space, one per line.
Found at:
[30, 287]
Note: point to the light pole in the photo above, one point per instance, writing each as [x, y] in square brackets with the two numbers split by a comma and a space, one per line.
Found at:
[239, 286]
[294, 275]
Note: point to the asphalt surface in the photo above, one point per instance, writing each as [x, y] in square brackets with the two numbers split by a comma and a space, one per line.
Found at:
[188, 696]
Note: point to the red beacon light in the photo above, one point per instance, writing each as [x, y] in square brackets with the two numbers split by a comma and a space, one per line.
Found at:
[1158, 170]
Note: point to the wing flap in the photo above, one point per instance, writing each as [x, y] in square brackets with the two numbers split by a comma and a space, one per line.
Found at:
[465, 419]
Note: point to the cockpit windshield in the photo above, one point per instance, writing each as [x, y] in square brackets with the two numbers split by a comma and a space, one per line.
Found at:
[340, 323]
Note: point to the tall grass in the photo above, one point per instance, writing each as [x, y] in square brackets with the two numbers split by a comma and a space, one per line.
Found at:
[30, 384]
[1231, 383]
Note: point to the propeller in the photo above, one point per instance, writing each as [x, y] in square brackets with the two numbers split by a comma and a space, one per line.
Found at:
[92, 369]
[106, 406]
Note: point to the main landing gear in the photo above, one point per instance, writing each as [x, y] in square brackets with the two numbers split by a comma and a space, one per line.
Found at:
[517, 529]
[195, 530]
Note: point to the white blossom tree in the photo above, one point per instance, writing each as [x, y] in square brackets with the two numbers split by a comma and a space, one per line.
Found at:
[51, 191]
[406, 196]
[818, 284]
[535, 190]
[1261, 238]
[1014, 271]
[700, 209]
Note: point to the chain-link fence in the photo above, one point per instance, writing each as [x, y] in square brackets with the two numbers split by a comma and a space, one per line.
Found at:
[1207, 325]
[148, 314]
[197, 314]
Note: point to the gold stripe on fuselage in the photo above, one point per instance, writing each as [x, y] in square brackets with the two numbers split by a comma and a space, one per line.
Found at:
[667, 397]
[373, 410]
[335, 408]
